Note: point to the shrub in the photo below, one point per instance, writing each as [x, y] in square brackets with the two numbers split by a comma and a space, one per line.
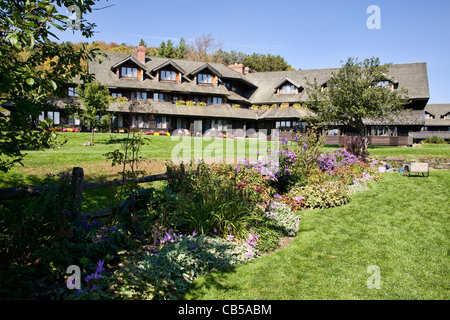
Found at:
[326, 195]
[166, 274]
[285, 217]
[330, 160]
[434, 140]
[355, 145]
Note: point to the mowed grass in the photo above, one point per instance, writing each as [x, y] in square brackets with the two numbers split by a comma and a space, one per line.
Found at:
[422, 151]
[401, 225]
[37, 165]
[156, 151]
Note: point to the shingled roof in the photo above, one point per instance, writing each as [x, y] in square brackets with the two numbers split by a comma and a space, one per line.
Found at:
[411, 76]
[438, 110]
[105, 75]
[406, 117]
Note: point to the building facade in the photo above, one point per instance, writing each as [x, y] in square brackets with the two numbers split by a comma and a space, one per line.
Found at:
[191, 97]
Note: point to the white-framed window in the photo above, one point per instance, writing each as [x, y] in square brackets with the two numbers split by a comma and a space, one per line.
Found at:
[141, 95]
[288, 88]
[394, 131]
[116, 94]
[217, 100]
[140, 121]
[74, 121]
[161, 122]
[380, 131]
[168, 75]
[204, 78]
[129, 72]
[158, 96]
[282, 124]
[382, 84]
[72, 92]
[55, 116]
[333, 132]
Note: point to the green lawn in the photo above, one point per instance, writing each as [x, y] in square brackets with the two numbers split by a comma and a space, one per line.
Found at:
[419, 152]
[158, 149]
[401, 225]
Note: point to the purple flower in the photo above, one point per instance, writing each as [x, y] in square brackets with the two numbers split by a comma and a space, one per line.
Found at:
[194, 233]
[100, 268]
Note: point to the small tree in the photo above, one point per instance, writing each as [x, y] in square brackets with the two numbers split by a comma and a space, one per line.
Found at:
[34, 67]
[352, 96]
[95, 100]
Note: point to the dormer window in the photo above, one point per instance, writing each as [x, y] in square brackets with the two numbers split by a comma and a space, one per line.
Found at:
[129, 68]
[204, 78]
[129, 72]
[205, 75]
[288, 88]
[429, 115]
[168, 75]
[382, 84]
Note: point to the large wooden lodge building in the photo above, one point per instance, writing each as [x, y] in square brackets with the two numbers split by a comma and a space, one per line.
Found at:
[196, 97]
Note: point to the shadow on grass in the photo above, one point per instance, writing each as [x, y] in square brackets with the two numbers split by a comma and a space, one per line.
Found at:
[115, 140]
[213, 280]
[14, 180]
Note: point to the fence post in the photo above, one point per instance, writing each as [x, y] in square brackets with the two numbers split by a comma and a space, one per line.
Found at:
[78, 181]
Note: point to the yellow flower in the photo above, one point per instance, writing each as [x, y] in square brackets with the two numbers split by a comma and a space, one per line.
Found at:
[156, 134]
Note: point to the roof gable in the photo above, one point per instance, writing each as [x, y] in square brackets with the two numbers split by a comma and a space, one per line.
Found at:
[287, 79]
[129, 59]
[169, 63]
[206, 66]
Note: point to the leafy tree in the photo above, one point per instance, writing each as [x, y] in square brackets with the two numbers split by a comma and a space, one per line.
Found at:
[264, 63]
[228, 58]
[95, 99]
[26, 44]
[351, 96]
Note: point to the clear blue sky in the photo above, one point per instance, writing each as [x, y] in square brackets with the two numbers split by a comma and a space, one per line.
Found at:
[308, 34]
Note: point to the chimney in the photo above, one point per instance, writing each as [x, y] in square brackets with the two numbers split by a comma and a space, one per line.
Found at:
[237, 67]
[141, 54]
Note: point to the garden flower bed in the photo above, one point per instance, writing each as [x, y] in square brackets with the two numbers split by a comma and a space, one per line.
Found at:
[205, 218]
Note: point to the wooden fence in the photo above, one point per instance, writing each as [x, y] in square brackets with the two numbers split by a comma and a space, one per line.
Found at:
[79, 186]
